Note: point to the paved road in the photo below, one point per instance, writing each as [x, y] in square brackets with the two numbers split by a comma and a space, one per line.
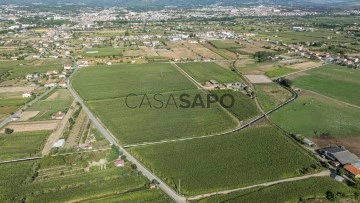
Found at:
[168, 190]
[16, 114]
[321, 174]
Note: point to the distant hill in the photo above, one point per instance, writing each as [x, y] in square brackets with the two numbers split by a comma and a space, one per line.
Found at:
[181, 3]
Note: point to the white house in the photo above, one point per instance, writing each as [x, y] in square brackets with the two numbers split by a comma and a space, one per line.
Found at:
[27, 94]
[68, 67]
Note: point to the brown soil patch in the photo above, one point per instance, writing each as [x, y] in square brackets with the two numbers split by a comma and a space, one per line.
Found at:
[24, 116]
[306, 65]
[53, 96]
[258, 79]
[352, 143]
[16, 89]
[33, 126]
[149, 51]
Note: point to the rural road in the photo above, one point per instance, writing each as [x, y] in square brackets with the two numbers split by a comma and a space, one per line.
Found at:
[321, 174]
[19, 160]
[16, 114]
[168, 190]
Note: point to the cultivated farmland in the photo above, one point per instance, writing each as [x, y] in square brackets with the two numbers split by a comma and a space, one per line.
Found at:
[103, 52]
[334, 81]
[271, 95]
[313, 188]
[244, 107]
[312, 114]
[203, 72]
[212, 164]
[156, 121]
[104, 82]
[49, 105]
[21, 145]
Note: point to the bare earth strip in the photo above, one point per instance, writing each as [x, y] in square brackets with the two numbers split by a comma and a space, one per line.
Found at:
[258, 79]
[58, 131]
[26, 115]
[306, 65]
[33, 126]
[53, 96]
[16, 89]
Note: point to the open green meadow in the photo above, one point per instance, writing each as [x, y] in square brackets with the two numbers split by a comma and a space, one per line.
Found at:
[145, 119]
[311, 114]
[312, 189]
[219, 44]
[252, 156]
[244, 107]
[104, 82]
[22, 71]
[205, 71]
[271, 95]
[21, 145]
[334, 81]
[277, 71]
[11, 105]
[103, 52]
[48, 107]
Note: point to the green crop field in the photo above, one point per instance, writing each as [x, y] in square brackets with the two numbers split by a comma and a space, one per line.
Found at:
[48, 107]
[141, 196]
[255, 155]
[244, 107]
[10, 105]
[271, 95]
[21, 145]
[334, 81]
[103, 82]
[145, 123]
[103, 52]
[313, 188]
[277, 72]
[22, 71]
[312, 114]
[224, 44]
[12, 177]
[203, 72]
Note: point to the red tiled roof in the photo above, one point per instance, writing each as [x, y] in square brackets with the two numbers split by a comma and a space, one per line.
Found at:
[352, 169]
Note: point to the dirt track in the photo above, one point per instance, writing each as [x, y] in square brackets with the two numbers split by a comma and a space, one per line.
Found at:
[58, 131]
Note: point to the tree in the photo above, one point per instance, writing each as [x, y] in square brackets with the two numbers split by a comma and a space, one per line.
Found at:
[127, 33]
[285, 82]
[9, 130]
[133, 166]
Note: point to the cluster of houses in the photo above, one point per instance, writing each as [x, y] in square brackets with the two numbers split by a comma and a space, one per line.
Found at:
[340, 59]
[215, 85]
[340, 157]
[54, 78]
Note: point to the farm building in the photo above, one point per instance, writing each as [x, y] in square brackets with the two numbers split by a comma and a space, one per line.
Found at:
[337, 177]
[60, 143]
[58, 116]
[353, 170]
[67, 67]
[119, 163]
[152, 186]
[52, 72]
[27, 94]
[339, 154]
[62, 84]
